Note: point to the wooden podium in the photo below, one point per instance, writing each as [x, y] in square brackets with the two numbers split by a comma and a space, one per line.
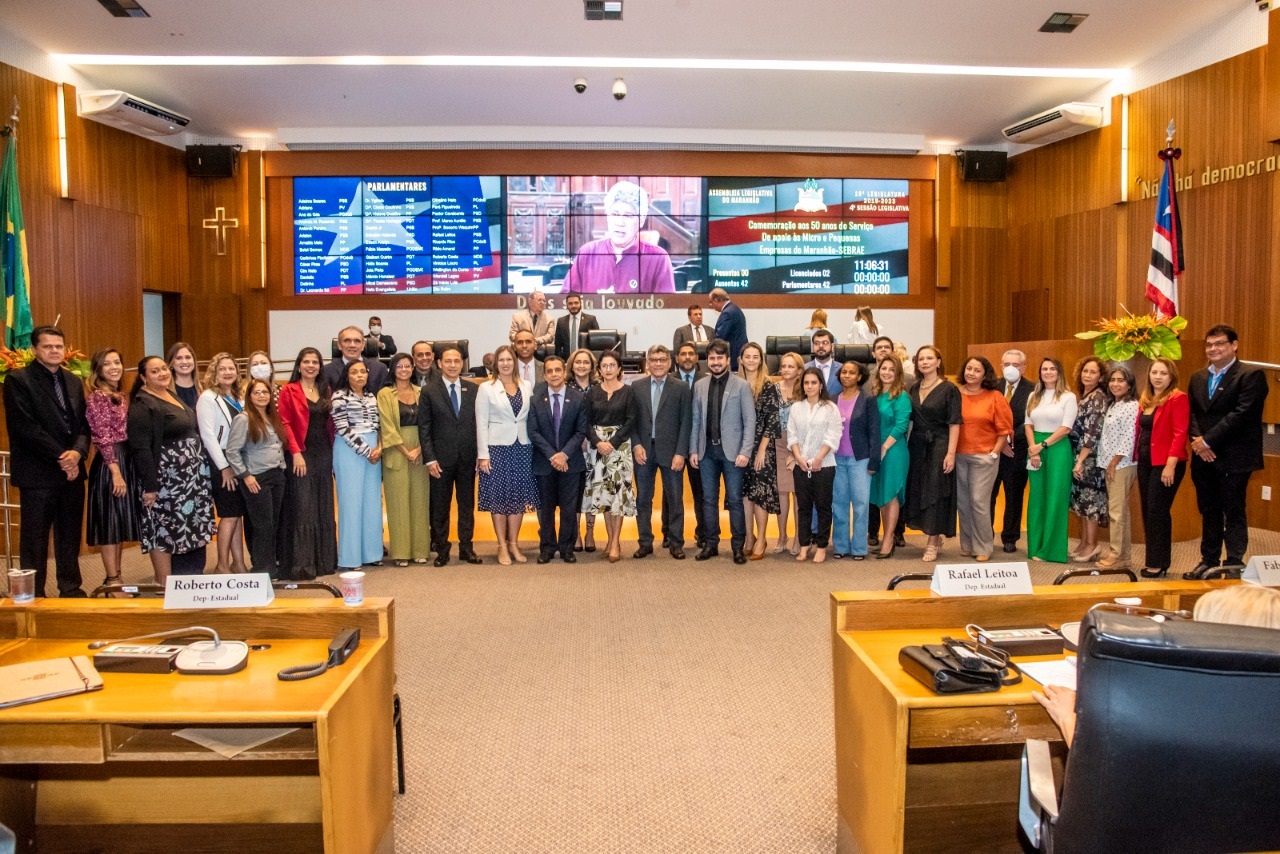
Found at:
[105, 772]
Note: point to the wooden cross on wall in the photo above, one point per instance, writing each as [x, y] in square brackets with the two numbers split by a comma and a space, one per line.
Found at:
[220, 223]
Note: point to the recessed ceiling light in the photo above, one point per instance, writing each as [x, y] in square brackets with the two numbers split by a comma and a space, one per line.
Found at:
[1063, 22]
[124, 8]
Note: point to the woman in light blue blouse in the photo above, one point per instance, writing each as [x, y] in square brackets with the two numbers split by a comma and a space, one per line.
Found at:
[357, 451]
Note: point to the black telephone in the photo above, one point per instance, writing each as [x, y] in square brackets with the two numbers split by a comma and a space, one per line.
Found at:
[340, 649]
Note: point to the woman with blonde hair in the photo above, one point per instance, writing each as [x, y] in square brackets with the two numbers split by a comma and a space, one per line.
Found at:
[790, 367]
[760, 480]
[504, 454]
[184, 380]
[865, 330]
[1163, 422]
[216, 410]
[405, 480]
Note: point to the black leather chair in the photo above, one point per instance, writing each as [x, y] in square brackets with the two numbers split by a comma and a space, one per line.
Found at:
[777, 345]
[859, 353]
[462, 345]
[1175, 745]
[600, 340]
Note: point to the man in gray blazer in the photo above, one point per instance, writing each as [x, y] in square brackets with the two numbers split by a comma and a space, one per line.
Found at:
[720, 444]
[693, 331]
[660, 442]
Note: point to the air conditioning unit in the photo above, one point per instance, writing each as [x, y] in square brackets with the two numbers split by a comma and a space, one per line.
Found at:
[1058, 123]
[131, 113]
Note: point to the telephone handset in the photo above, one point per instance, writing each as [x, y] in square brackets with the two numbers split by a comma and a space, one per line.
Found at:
[340, 649]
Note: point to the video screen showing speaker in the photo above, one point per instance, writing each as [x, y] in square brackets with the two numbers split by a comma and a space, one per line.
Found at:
[398, 235]
[813, 235]
[604, 234]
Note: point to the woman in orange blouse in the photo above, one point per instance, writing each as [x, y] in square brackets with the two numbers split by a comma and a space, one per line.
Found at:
[984, 436]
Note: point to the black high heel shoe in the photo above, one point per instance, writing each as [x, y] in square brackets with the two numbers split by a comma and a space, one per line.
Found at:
[888, 554]
[1148, 572]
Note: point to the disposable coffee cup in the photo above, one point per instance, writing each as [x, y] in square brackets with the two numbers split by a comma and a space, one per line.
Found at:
[352, 587]
[22, 585]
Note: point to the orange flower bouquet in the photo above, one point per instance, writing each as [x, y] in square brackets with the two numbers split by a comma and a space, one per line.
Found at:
[1151, 335]
[10, 360]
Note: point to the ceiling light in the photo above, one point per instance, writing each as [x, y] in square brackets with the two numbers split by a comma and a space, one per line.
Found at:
[124, 8]
[1063, 22]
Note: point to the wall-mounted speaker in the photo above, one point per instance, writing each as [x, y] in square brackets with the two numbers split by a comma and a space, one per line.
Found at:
[982, 165]
[212, 161]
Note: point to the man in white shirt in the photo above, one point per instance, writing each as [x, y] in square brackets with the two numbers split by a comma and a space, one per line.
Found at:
[535, 319]
[823, 346]
[528, 368]
[572, 325]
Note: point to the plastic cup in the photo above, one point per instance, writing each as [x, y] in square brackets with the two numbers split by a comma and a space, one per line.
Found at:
[352, 587]
[22, 585]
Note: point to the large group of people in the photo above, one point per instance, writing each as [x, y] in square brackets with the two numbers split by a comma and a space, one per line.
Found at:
[840, 455]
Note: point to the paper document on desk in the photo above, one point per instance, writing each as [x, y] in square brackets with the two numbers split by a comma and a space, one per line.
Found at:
[230, 742]
[33, 681]
[1061, 672]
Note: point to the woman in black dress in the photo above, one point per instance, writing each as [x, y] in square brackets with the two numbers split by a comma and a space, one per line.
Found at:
[177, 506]
[612, 416]
[113, 493]
[935, 429]
[584, 377]
[308, 529]
[760, 478]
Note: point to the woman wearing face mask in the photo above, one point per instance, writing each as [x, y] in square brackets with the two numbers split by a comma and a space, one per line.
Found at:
[1051, 411]
[113, 493]
[262, 368]
[216, 409]
[1162, 459]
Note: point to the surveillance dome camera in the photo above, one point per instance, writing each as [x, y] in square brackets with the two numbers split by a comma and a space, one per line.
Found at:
[619, 89]
[580, 85]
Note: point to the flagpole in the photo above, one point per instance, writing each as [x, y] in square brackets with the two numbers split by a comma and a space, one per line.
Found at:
[11, 129]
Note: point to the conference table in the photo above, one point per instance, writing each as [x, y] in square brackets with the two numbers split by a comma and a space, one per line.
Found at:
[918, 771]
[106, 772]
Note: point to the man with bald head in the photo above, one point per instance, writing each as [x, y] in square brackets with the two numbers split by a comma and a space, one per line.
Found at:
[535, 319]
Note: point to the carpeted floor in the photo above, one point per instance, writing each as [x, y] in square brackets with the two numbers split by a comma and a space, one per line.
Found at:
[643, 706]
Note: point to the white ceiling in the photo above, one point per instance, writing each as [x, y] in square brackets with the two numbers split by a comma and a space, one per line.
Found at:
[371, 103]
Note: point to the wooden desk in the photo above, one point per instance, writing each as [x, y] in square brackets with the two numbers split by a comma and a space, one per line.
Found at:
[104, 771]
[920, 772]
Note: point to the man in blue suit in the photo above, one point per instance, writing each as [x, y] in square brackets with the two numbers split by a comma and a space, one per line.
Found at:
[824, 345]
[731, 326]
[557, 426]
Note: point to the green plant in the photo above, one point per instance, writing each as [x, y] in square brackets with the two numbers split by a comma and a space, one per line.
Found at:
[1153, 336]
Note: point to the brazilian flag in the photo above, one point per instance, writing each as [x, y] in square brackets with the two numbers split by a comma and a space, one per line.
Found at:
[13, 254]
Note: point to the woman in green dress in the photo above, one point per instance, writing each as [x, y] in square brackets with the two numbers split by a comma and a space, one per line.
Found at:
[1051, 411]
[889, 486]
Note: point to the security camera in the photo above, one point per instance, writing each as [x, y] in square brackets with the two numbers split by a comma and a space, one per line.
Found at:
[580, 85]
[619, 89]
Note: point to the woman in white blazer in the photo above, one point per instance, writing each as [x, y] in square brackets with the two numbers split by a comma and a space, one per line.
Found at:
[503, 453]
[216, 408]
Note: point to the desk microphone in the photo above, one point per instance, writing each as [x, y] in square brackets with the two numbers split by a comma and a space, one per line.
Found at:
[202, 657]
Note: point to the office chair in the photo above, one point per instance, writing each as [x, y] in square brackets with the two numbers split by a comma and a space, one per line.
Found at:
[775, 346]
[859, 353]
[1175, 745]
[600, 340]
[462, 345]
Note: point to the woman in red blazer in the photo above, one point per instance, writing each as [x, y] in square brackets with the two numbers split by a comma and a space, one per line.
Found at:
[1163, 419]
[310, 546]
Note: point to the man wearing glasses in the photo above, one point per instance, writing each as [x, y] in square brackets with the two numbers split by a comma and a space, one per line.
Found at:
[660, 442]
[1226, 440]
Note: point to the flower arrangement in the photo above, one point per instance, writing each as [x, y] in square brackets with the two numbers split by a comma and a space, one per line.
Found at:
[1151, 335]
[10, 360]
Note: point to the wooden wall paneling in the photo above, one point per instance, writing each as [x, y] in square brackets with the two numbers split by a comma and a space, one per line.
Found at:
[210, 272]
[255, 333]
[108, 308]
[1083, 248]
[1271, 113]
[1265, 514]
[976, 308]
[943, 215]
[211, 323]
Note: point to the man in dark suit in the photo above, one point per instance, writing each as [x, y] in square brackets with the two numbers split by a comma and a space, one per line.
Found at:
[573, 324]
[557, 426]
[731, 325]
[693, 331]
[447, 431]
[660, 442]
[424, 363]
[1016, 388]
[44, 411]
[351, 343]
[383, 347]
[1226, 440]
[824, 345]
[689, 371]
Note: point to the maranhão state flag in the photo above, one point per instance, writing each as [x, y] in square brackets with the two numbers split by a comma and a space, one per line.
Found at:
[1166, 243]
